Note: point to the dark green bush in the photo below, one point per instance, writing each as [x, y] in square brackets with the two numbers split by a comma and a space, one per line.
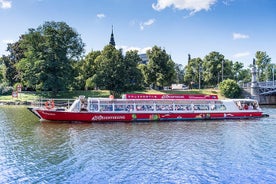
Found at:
[5, 89]
[230, 89]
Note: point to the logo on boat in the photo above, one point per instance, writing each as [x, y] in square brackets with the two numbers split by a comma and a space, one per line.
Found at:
[48, 113]
[100, 118]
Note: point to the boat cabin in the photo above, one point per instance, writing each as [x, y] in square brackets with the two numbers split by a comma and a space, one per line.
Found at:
[161, 105]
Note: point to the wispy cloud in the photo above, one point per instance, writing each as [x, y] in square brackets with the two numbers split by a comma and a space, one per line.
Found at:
[101, 15]
[227, 2]
[193, 6]
[147, 23]
[140, 50]
[5, 4]
[237, 36]
[7, 41]
[241, 54]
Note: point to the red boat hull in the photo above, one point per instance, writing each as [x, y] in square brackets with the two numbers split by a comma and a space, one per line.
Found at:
[129, 117]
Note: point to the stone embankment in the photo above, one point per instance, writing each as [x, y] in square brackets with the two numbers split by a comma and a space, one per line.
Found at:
[15, 103]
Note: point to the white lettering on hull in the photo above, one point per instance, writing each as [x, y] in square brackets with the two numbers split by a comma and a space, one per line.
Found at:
[101, 118]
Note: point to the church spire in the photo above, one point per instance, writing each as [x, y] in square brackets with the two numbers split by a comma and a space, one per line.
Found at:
[112, 41]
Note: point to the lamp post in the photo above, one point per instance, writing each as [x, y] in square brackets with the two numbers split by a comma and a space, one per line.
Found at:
[273, 75]
[222, 63]
[199, 75]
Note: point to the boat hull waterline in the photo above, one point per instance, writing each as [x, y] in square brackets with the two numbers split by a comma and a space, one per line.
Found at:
[52, 115]
[152, 107]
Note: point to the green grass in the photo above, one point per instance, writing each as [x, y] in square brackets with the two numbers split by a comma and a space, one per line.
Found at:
[30, 96]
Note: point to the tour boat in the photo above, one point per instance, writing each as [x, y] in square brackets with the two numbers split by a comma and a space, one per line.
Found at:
[150, 107]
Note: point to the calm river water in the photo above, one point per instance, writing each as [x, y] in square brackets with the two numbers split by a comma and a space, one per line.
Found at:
[232, 151]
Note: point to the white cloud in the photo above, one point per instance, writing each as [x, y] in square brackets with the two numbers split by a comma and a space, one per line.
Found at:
[7, 41]
[241, 54]
[147, 23]
[191, 5]
[227, 2]
[237, 36]
[101, 15]
[140, 50]
[5, 4]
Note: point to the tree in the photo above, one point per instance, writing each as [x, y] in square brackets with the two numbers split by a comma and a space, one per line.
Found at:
[134, 80]
[16, 54]
[110, 73]
[179, 70]
[49, 53]
[244, 75]
[213, 68]
[1, 70]
[160, 69]
[88, 69]
[230, 89]
[193, 71]
[262, 62]
[271, 72]
[237, 68]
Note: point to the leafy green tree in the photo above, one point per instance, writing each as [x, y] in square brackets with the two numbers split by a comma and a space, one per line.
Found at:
[230, 89]
[179, 71]
[227, 70]
[1, 70]
[87, 69]
[110, 72]
[10, 72]
[237, 68]
[244, 75]
[212, 68]
[193, 71]
[271, 71]
[49, 54]
[262, 62]
[134, 80]
[160, 69]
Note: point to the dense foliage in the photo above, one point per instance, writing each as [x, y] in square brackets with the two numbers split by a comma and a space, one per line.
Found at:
[159, 71]
[50, 58]
[49, 52]
[5, 89]
[230, 89]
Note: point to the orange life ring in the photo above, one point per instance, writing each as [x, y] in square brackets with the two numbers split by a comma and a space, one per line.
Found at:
[50, 104]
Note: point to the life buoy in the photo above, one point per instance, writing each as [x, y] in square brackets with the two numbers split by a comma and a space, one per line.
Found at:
[50, 104]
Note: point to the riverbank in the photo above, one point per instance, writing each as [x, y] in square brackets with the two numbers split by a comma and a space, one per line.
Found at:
[27, 97]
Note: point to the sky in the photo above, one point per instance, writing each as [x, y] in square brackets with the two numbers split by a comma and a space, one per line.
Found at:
[235, 28]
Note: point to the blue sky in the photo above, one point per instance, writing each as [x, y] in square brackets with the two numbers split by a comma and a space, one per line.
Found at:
[235, 28]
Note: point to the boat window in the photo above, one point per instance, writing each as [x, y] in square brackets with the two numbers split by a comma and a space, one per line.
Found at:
[247, 105]
[217, 106]
[106, 107]
[201, 107]
[181, 107]
[129, 107]
[220, 107]
[164, 107]
[93, 106]
[144, 107]
[120, 107]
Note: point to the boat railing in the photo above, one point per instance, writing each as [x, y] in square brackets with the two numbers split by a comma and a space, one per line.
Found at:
[57, 103]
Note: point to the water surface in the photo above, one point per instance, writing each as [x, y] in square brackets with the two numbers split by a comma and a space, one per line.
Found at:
[228, 151]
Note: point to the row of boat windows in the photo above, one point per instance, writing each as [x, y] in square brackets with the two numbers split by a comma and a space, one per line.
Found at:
[156, 107]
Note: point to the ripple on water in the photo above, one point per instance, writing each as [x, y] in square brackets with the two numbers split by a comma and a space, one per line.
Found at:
[240, 151]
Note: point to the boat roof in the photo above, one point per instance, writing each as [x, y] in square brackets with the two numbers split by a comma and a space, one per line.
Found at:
[171, 96]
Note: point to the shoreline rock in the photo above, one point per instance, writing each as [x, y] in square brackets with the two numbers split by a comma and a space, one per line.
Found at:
[15, 103]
